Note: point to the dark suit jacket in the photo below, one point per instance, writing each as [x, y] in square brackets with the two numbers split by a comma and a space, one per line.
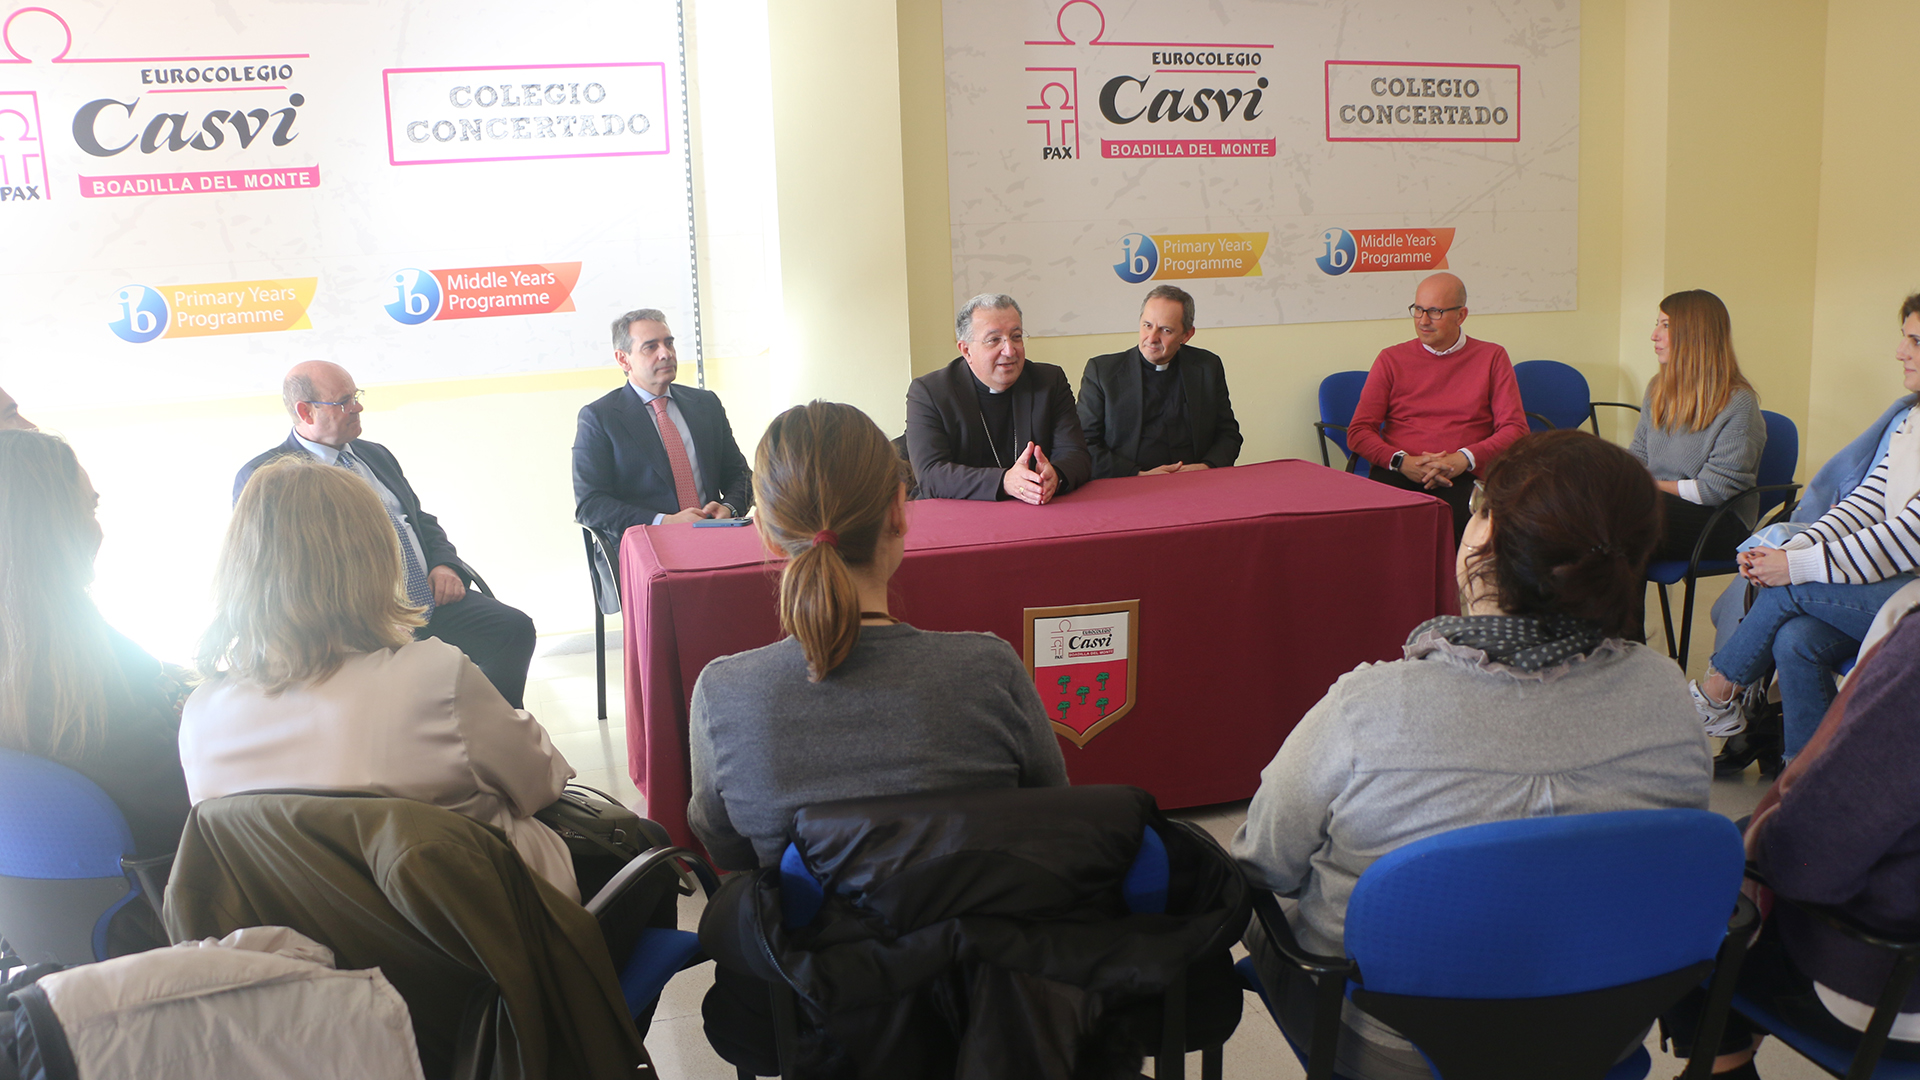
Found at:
[621, 476]
[433, 539]
[1110, 410]
[947, 435]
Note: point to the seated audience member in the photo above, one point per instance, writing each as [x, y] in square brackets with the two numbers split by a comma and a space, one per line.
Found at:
[72, 689]
[316, 682]
[652, 451]
[1161, 406]
[1835, 480]
[1841, 828]
[990, 425]
[325, 406]
[1532, 703]
[1820, 590]
[853, 702]
[10, 418]
[1450, 404]
[1700, 432]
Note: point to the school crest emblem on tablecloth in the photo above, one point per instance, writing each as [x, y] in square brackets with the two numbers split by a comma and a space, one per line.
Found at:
[1083, 663]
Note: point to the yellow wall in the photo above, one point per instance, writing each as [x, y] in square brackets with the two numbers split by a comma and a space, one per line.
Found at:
[1734, 145]
[1867, 259]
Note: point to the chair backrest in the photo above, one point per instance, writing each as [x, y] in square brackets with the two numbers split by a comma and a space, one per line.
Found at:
[1555, 391]
[1538, 907]
[1779, 459]
[1339, 396]
[61, 842]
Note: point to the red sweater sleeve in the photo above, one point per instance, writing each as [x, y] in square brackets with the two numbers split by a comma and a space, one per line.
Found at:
[1509, 415]
[1363, 431]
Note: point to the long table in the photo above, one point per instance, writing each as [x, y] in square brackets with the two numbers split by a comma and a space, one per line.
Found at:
[1257, 587]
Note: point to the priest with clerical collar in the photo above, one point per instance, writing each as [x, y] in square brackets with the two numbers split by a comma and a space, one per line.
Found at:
[991, 425]
[1160, 407]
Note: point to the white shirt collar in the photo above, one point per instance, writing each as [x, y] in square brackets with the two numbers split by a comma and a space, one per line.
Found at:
[1458, 344]
[645, 397]
[328, 455]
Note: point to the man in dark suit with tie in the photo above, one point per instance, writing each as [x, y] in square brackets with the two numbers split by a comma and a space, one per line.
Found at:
[653, 452]
[991, 425]
[1160, 407]
[325, 405]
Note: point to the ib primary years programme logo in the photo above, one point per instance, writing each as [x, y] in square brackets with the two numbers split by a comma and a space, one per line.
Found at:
[142, 313]
[1189, 255]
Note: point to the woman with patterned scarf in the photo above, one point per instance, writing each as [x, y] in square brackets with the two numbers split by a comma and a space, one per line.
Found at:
[1535, 701]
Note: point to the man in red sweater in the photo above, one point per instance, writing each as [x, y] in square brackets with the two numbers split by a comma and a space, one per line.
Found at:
[1438, 409]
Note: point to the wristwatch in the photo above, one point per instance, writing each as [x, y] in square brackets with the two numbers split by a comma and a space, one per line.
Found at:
[1394, 461]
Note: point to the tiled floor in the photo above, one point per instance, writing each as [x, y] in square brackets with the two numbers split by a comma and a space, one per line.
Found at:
[561, 694]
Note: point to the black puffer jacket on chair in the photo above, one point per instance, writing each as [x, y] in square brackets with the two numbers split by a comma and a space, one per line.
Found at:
[979, 934]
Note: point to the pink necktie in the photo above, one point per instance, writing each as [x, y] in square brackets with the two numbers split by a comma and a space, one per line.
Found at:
[676, 456]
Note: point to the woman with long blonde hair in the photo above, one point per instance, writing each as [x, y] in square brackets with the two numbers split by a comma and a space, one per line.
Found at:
[71, 688]
[315, 682]
[1700, 431]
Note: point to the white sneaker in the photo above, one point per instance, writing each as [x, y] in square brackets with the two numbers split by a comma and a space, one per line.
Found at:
[1721, 718]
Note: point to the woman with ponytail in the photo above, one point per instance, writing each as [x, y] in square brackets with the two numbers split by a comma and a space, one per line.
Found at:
[1533, 701]
[853, 702]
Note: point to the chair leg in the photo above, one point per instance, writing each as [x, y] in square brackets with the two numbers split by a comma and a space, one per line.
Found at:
[1686, 622]
[600, 656]
[1666, 616]
[786, 1029]
[1172, 1059]
[1211, 1062]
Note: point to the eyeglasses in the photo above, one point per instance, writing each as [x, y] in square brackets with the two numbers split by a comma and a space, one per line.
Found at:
[354, 399]
[1477, 502]
[1416, 310]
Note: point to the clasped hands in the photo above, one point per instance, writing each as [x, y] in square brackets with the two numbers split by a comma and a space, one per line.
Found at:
[1036, 485]
[1433, 470]
[1178, 466]
[1765, 566]
[699, 513]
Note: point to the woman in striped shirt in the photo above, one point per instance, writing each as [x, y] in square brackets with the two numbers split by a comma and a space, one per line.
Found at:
[1821, 589]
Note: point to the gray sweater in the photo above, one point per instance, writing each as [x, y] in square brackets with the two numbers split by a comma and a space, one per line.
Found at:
[1723, 458]
[1400, 751]
[908, 711]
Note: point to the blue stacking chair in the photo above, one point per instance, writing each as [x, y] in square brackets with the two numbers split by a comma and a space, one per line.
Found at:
[659, 953]
[66, 862]
[1777, 494]
[1535, 947]
[1556, 395]
[1339, 396]
[1864, 1060]
[1144, 889]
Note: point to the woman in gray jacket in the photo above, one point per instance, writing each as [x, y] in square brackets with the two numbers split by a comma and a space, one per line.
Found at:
[1533, 702]
[1700, 432]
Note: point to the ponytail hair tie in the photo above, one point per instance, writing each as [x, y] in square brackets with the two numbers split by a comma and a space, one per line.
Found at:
[827, 537]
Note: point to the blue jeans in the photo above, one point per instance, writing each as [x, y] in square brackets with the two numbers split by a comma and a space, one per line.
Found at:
[1803, 632]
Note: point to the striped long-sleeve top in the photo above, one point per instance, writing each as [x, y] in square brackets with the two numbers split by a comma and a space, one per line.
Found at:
[1860, 540]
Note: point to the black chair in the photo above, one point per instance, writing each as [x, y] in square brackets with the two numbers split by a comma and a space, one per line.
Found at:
[1865, 1060]
[603, 571]
[1534, 947]
[866, 877]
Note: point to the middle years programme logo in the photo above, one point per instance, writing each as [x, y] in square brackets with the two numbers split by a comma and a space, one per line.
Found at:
[479, 292]
[1370, 251]
[1189, 255]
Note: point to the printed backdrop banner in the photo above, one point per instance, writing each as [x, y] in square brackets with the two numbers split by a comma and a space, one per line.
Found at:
[419, 189]
[1301, 162]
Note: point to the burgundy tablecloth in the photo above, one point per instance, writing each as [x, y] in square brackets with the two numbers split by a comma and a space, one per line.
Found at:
[1258, 586]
